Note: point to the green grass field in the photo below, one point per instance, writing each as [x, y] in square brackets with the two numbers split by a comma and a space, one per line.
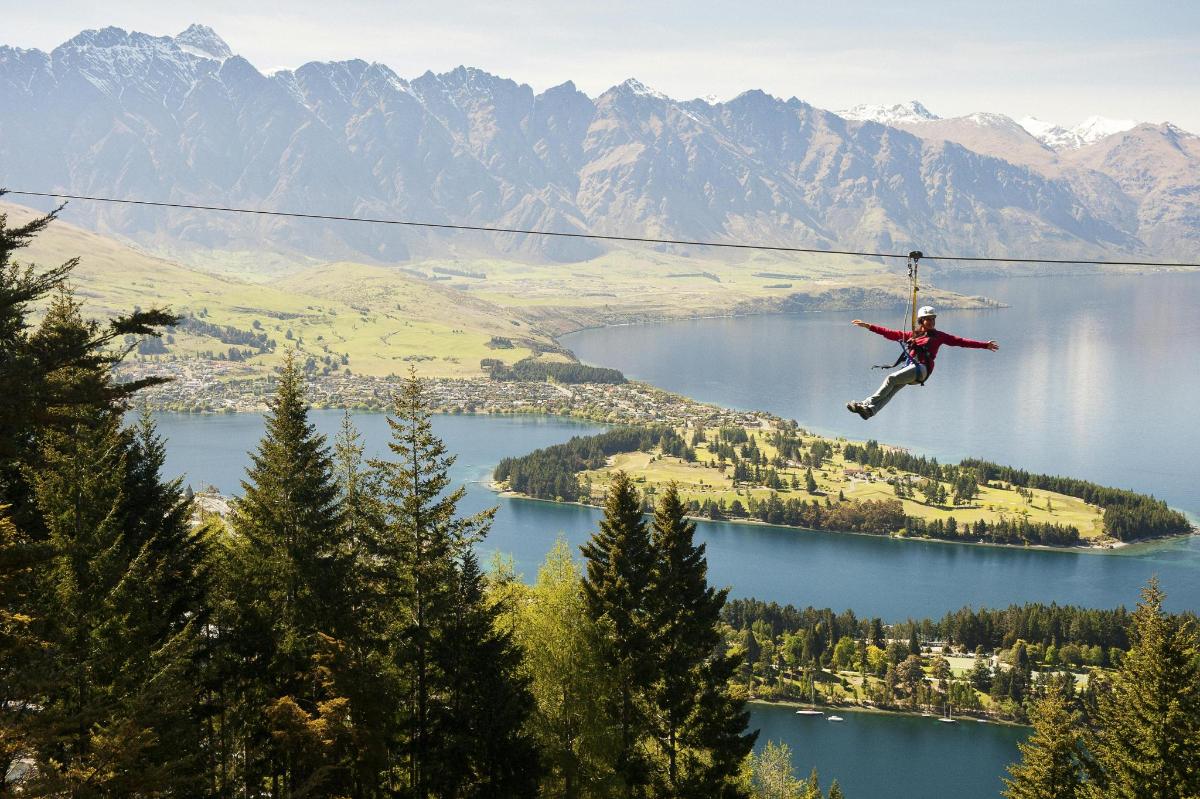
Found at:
[380, 318]
[653, 471]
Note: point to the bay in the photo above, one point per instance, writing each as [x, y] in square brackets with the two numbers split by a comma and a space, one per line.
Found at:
[1096, 376]
[873, 754]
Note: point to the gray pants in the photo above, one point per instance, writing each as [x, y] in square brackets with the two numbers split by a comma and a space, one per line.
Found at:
[913, 373]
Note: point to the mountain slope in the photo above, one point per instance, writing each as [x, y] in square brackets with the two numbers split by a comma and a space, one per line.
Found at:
[183, 119]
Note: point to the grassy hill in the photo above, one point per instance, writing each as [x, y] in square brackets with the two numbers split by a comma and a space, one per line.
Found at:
[699, 480]
[373, 320]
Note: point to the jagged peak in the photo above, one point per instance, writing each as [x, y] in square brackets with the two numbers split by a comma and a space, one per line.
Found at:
[753, 96]
[912, 111]
[204, 41]
[110, 36]
[989, 119]
[1090, 131]
[636, 87]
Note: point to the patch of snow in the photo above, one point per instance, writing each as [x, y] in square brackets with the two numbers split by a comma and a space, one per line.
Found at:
[637, 87]
[203, 41]
[1091, 130]
[912, 111]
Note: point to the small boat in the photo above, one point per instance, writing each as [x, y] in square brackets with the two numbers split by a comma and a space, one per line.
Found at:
[835, 718]
[810, 712]
[949, 717]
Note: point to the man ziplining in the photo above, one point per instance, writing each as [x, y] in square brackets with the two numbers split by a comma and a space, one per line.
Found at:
[921, 346]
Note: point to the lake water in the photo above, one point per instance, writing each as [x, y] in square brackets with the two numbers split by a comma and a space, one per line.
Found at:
[878, 755]
[1095, 378]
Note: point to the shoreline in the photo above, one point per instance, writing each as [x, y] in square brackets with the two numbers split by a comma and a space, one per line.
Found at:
[880, 711]
[1116, 547]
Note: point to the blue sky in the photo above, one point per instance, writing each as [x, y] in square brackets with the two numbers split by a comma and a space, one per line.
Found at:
[1061, 61]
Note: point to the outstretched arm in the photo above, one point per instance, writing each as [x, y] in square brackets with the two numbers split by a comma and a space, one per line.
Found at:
[886, 332]
[970, 343]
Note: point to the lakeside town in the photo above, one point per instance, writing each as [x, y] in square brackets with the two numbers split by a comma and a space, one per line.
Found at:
[204, 386]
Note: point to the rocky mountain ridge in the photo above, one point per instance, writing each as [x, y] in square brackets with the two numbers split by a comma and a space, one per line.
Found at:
[183, 119]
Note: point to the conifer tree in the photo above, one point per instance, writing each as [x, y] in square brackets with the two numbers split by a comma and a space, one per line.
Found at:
[1146, 732]
[696, 725]
[420, 546]
[1051, 766]
[619, 563]
[118, 711]
[40, 370]
[286, 590]
[486, 750]
[366, 677]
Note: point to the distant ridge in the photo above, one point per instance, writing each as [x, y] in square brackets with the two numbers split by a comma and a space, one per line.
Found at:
[185, 119]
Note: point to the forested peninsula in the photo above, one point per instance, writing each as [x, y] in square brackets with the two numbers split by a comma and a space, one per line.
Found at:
[780, 474]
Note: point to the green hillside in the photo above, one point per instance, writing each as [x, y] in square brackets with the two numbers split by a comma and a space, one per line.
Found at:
[372, 320]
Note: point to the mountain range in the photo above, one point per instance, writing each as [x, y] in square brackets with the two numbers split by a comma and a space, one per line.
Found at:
[184, 119]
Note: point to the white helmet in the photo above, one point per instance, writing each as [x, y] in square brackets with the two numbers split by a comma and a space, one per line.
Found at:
[926, 310]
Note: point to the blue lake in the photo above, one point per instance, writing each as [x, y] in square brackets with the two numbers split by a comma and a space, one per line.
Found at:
[1096, 378]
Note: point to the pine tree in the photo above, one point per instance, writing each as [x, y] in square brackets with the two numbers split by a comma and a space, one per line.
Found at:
[697, 726]
[1051, 766]
[1146, 732]
[569, 680]
[486, 749]
[119, 710]
[366, 677]
[619, 563]
[835, 791]
[287, 597]
[40, 370]
[420, 546]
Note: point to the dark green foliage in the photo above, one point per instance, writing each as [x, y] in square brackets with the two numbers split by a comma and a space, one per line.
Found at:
[227, 334]
[1127, 514]
[536, 370]
[60, 366]
[619, 563]
[103, 584]
[1145, 731]
[551, 472]
[698, 729]
[435, 624]
[970, 628]
[1051, 760]
[485, 749]
[286, 606]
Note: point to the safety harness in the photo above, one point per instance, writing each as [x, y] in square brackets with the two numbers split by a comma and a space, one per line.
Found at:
[911, 347]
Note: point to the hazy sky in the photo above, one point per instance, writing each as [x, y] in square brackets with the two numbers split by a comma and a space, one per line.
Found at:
[1060, 60]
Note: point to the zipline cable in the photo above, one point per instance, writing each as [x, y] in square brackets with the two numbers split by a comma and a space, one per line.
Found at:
[595, 236]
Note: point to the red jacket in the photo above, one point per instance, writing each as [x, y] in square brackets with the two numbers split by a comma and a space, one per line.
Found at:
[926, 344]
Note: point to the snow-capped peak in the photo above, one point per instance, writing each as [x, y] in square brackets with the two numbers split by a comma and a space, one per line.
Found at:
[203, 41]
[912, 111]
[637, 87]
[1091, 130]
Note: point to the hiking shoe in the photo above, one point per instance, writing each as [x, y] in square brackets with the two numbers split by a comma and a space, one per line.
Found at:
[859, 408]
